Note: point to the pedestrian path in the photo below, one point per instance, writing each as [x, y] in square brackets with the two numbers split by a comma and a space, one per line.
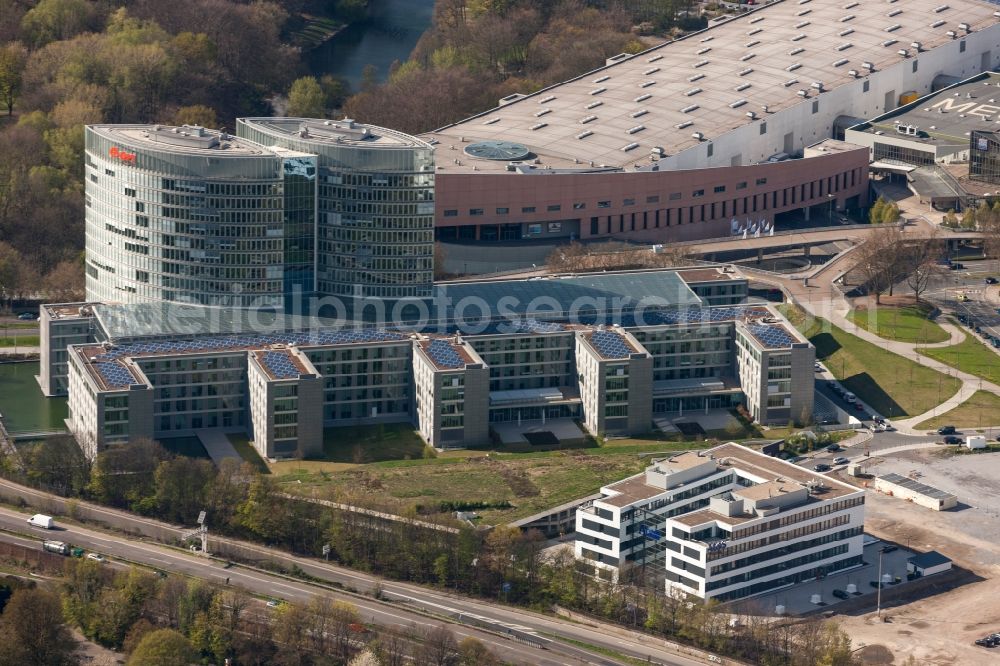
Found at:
[218, 445]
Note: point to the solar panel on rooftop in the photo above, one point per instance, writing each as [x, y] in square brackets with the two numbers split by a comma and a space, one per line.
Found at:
[443, 355]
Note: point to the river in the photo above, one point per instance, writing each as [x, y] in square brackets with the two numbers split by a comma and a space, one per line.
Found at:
[390, 31]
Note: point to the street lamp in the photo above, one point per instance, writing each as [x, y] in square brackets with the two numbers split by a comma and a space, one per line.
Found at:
[878, 602]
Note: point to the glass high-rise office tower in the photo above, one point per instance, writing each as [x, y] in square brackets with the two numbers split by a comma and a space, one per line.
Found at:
[292, 208]
[189, 215]
[375, 230]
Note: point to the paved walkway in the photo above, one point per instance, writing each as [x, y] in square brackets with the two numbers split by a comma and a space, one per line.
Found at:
[20, 350]
[218, 445]
[821, 297]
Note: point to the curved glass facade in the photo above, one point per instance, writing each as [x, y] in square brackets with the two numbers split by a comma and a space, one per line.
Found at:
[375, 222]
[193, 216]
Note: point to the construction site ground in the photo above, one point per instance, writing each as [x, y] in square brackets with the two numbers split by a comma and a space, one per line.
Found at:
[938, 627]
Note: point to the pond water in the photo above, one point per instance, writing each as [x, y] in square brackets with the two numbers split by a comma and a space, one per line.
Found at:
[22, 404]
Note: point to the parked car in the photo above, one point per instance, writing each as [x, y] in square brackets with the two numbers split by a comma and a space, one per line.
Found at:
[955, 266]
[991, 280]
[273, 603]
[850, 397]
[946, 430]
[817, 367]
[27, 316]
[952, 439]
[822, 467]
[889, 548]
[858, 406]
[840, 594]
[95, 557]
[833, 448]
[840, 460]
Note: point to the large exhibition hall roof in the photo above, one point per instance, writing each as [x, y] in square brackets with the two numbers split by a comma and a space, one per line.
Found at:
[708, 81]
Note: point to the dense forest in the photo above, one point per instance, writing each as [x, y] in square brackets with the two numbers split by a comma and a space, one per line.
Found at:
[67, 63]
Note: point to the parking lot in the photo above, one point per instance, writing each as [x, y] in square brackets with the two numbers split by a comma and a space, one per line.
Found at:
[798, 599]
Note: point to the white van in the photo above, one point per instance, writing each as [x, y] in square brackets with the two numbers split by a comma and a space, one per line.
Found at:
[41, 520]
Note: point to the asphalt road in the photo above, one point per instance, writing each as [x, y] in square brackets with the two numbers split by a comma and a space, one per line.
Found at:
[171, 560]
[266, 585]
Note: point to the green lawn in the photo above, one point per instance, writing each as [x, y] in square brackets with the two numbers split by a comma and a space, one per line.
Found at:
[894, 386]
[366, 444]
[970, 356]
[20, 341]
[982, 410]
[905, 324]
[513, 485]
[247, 452]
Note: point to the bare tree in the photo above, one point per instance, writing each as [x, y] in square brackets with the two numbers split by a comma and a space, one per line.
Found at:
[921, 262]
[392, 647]
[878, 260]
[439, 648]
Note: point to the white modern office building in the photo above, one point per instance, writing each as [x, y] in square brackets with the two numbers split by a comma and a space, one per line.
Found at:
[551, 352]
[724, 523]
[291, 209]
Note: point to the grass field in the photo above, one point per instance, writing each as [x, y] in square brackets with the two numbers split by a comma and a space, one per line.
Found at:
[524, 483]
[982, 410]
[970, 356]
[20, 341]
[388, 466]
[892, 385]
[397, 476]
[905, 324]
[247, 452]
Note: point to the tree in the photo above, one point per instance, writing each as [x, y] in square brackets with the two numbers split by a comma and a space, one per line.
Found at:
[52, 20]
[58, 464]
[197, 114]
[306, 98]
[181, 483]
[950, 219]
[875, 213]
[921, 264]
[473, 653]
[124, 476]
[336, 90]
[878, 260]
[32, 631]
[65, 283]
[968, 219]
[890, 213]
[163, 647]
[439, 648]
[13, 57]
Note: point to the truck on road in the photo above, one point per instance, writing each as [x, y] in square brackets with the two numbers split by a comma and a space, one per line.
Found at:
[62, 548]
[41, 520]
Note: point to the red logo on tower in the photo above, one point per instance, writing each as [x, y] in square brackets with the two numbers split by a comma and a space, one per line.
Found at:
[122, 155]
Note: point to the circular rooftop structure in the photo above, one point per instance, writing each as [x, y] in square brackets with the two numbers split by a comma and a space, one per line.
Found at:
[497, 150]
